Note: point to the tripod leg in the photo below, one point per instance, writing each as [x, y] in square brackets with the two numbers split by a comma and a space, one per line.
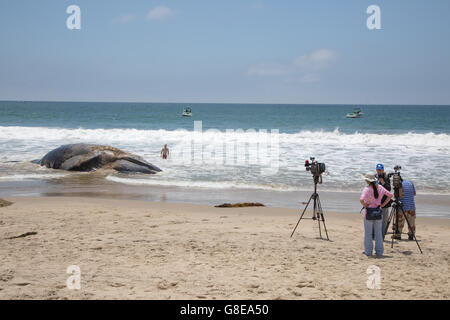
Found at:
[301, 216]
[395, 224]
[409, 227]
[316, 213]
[388, 222]
[322, 216]
[397, 230]
[394, 216]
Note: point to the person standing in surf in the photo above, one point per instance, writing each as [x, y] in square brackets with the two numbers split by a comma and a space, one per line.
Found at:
[165, 152]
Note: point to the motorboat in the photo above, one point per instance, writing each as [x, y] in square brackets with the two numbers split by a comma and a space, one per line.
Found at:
[357, 113]
[187, 112]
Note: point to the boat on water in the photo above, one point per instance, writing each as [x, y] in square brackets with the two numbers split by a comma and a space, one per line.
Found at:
[187, 112]
[357, 113]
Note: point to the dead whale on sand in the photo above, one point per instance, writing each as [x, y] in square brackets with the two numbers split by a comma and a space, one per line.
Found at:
[90, 157]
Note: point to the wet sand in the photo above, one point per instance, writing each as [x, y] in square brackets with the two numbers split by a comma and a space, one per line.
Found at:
[94, 185]
[128, 249]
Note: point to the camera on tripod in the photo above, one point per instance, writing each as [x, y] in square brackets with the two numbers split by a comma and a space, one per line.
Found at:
[396, 177]
[316, 168]
[397, 207]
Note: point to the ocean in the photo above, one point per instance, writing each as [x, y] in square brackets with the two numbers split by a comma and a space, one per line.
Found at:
[415, 137]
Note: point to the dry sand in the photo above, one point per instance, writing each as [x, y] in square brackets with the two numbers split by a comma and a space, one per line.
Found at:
[142, 250]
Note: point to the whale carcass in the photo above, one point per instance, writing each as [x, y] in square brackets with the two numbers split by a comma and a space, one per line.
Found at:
[90, 157]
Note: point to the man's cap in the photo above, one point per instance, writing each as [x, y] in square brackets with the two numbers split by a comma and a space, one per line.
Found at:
[380, 166]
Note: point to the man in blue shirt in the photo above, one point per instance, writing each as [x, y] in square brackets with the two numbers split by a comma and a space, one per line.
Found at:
[409, 207]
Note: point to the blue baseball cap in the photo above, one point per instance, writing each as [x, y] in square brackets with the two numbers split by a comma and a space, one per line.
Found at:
[380, 166]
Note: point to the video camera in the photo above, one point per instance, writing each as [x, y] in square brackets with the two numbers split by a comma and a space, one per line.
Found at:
[397, 178]
[316, 168]
[397, 182]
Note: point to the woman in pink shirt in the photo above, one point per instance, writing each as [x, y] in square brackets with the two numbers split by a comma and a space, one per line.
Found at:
[371, 198]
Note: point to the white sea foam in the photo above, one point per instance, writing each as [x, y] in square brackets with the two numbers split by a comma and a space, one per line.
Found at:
[423, 156]
[32, 176]
[43, 134]
[199, 184]
[240, 186]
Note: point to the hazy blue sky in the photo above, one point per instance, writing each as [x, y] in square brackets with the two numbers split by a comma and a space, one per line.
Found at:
[258, 51]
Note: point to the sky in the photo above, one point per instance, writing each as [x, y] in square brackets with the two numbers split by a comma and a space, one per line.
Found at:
[234, 51]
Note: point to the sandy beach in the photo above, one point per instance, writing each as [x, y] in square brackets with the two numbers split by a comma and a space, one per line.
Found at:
[128, 249]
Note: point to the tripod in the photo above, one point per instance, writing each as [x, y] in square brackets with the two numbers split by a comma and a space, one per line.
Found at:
[396, 210]
[317, 210]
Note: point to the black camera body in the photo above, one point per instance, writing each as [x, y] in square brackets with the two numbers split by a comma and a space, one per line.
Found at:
[397, 178]
[316, 168]
[397, 182]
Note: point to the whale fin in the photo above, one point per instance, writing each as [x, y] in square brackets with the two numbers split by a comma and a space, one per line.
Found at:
[83, 162]
[142, 162]
[125, 166]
